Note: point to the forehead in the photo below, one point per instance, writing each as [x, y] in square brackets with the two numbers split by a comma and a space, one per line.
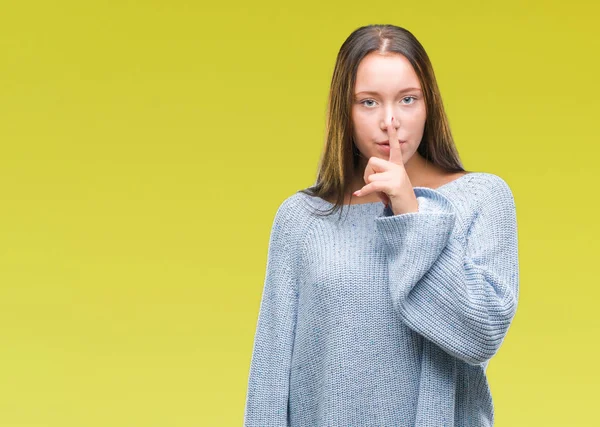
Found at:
[385, 73]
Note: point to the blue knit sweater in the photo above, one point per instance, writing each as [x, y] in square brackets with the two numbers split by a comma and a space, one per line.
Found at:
[385, 320]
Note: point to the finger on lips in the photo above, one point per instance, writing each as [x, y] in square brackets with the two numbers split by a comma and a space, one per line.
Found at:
[395, 151]
[395, 156]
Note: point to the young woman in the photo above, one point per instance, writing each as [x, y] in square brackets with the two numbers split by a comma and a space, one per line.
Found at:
[390, 316]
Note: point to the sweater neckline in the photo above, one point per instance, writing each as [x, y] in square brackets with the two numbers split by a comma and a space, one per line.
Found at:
[379, 203]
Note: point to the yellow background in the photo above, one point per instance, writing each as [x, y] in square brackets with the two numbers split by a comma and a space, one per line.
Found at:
[146, 145]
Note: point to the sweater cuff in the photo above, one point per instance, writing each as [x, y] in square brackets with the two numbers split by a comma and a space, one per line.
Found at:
[428, 228]
[430, 201]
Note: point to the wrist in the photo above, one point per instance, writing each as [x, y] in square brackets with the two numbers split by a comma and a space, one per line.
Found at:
[412, 208]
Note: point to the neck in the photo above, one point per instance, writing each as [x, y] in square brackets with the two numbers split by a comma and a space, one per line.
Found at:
[419, 170]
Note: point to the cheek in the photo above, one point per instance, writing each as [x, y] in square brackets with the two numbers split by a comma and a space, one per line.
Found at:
[361, 124]
[416, 121]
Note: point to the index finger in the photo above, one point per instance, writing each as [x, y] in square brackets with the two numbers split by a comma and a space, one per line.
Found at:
[395, 150]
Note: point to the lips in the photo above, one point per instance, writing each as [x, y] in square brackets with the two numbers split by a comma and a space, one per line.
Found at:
[387, 143]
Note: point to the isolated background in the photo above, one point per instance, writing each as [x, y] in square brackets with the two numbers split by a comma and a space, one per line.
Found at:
[146, 145]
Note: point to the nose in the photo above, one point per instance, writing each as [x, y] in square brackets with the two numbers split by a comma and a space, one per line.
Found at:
[387, 121]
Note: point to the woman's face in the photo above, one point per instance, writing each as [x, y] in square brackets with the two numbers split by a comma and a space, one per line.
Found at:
[387, 86]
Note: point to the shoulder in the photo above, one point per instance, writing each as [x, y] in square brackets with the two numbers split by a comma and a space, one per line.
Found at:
[487, 195]
[291, 220]
[289, 229]
[468, 193]
[478, 195]
[487, 187]
[290, 208]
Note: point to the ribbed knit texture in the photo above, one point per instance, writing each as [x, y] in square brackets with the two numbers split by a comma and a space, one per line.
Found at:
[385, 320]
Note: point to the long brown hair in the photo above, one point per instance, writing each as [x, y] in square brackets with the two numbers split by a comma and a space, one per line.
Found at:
[340, 156]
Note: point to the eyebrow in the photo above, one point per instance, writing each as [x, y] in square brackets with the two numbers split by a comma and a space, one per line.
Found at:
[410, 89]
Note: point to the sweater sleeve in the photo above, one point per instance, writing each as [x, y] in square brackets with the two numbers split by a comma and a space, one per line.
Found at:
[459, 290]
[268, 383]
